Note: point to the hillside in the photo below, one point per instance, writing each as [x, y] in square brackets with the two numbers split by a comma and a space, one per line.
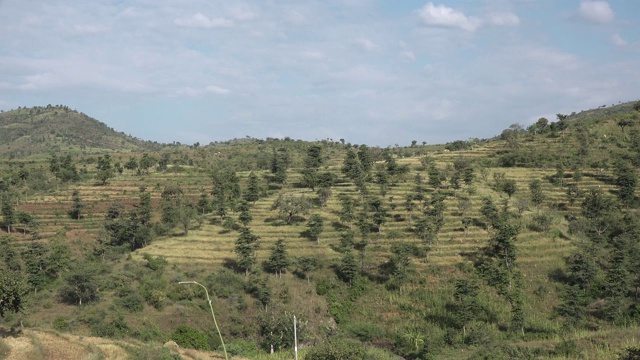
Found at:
[38, 130]
[407, 270]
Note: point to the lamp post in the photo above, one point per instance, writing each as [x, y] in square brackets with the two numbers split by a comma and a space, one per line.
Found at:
[224, 348]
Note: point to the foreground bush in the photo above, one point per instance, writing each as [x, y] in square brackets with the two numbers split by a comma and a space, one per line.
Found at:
[338, 350]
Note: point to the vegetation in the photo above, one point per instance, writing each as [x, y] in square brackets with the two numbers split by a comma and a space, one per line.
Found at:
[520, 246]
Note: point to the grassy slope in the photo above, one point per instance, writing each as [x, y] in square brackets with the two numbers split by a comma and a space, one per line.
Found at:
[209, 247]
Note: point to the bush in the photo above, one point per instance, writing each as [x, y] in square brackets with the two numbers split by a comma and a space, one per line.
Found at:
[566, 348]
[116, 328]
[189, 337]
[61, 324]
[630, 353]
[337, 350]
[364, 331]
[241, 347]
[130, 300]
[482, 334]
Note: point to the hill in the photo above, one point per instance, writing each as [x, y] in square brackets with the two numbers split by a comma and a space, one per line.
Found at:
[408, 262]
[32, 131]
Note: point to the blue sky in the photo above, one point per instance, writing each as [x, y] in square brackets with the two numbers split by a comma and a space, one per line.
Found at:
[374, 72]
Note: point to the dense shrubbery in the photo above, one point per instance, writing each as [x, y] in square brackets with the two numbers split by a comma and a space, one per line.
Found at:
[189, 337]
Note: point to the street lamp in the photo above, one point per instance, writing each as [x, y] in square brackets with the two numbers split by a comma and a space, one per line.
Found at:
[224, 348]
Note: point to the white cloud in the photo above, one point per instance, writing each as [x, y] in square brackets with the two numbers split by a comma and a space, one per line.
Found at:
[617, 40]
[242, 13]
[217, 90]
[90, 29]
[440, 15]
[409, 55]
[313, 55]
[598, 12]
[366, 44]
[200, 20]
[504, 19]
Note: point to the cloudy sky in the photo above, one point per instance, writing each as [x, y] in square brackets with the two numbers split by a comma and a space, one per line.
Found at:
[374, 72]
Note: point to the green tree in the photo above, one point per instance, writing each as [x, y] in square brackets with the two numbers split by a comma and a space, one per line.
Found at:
[244, 215]
[279, 259]
[380, 212]
[305, 265]
[280, 162]
[12, 292]
[176, 208]
[146, 162]
[347, 213]
[246, 247]
[351, 167]
[348, 267]
[81, 284]
[105, 169]
[312, 163]
[466, 301]
[315, 226]
[8, 213]
[626, 180]
[76, 209]
[252, 194]
[289, 206]
[36, 264]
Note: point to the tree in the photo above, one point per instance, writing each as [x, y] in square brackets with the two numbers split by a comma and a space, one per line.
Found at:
[312, 163]
[131, 164]
[76, 210]
[176, 209]
[347, 209]
[537, 195]
[252, 194]
[147, 162]
[12, 292]
[466, 301]
[280, 162]
[81, 285]
[351, 167]
[572, 306]
[306, 264]
[8, 213]
[380, 213]
[246, 247]
[36, 264]
[348, 267]
[315, 226]
[510, 187]
[626, 180]
[105, 169]
[278, 260]
[204, 204]
[289, 206]
[245, 215]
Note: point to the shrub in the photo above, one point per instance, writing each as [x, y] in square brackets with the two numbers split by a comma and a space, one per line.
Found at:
[630, 353]
[130, 300]
[116, 328]
[241, 347]
[337, 350]
[189, 337]
[365, 331]
[61, 324]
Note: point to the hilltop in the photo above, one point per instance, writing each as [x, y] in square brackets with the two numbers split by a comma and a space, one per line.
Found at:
[32, 131]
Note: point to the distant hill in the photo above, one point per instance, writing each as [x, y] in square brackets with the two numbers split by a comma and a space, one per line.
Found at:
[31, 131]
